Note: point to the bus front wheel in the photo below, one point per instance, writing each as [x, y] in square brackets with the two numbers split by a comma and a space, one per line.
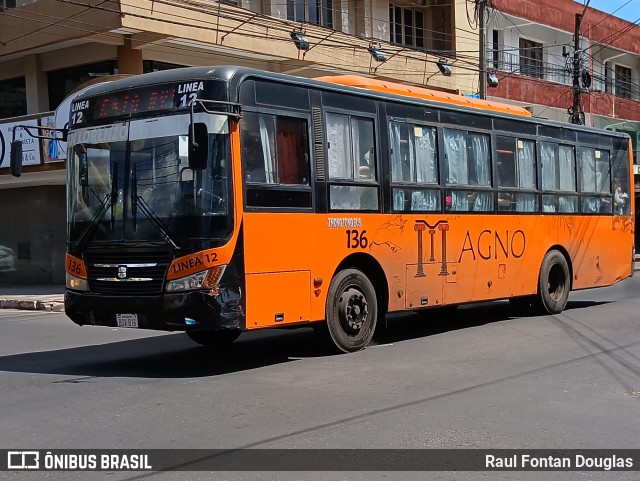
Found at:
[554, 283]
[213, 338]
[351, 310]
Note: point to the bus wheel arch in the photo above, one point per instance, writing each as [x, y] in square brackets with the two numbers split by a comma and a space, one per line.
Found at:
[371, 268]
[356, 299]
[554, 280]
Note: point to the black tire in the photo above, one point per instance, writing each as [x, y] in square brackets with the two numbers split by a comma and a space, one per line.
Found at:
[554, 283]
[213, 338]
[351, 310]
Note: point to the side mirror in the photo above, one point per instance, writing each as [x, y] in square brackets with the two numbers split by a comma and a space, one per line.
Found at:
[16, 158]
[198, 146]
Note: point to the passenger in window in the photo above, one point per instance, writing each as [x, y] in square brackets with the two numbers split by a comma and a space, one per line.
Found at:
[254, 161]
[505, 201]
[449, 201]
[365, 171]
[620, 198]
[550, 203]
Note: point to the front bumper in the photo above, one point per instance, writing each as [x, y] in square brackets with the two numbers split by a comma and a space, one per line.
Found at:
[165, 312]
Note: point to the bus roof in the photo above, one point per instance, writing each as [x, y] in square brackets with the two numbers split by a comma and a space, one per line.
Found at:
[234, 75]
[423, 93]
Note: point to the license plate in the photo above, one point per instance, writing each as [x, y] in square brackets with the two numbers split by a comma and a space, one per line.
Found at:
[127, 320]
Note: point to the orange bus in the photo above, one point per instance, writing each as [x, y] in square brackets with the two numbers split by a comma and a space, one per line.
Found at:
[225, 199]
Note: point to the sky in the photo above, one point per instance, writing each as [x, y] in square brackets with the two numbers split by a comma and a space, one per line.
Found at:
[630, 11]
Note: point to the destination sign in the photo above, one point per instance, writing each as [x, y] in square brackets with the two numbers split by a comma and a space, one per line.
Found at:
[148, 99]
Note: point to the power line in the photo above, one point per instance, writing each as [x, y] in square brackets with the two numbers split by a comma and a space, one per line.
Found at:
[284, 27]
[82, 26]
[609, 15]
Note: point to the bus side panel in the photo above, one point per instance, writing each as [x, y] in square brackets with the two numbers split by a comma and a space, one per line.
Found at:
[603, 255]
[277, 298]
[428, 259]
[303, 243]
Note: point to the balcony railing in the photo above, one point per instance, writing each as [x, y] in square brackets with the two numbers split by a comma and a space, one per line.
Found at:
[554, 72]
[514, 63]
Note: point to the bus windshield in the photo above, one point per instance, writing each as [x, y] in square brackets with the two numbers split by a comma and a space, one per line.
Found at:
[131, 182]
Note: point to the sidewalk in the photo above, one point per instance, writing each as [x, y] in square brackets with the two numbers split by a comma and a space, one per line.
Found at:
[32, 298]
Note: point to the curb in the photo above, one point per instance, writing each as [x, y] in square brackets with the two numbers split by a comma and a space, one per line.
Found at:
[53, 306]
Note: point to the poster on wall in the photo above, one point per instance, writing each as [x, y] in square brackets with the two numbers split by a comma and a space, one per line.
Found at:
[53, 149]
[30, 146]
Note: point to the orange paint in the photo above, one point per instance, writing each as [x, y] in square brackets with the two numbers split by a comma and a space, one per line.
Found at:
[424, 93]
[75, 267]
[463, 258]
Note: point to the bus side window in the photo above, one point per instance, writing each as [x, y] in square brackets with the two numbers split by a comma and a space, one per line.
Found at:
[620, 172]
[275, 149]
[468, 163]
[595, 180]
[414, 161]
[558, 174]
[351, 158]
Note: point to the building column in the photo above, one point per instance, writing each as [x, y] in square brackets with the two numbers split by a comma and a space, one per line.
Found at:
[37, 87]
[129, 59]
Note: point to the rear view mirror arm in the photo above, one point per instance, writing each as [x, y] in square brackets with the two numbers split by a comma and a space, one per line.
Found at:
[16, 145]
[39, 128]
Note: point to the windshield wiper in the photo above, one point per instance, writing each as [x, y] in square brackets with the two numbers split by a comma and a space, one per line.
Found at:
[114, 196]
[134, 197]
[93, 223]
[138, 201]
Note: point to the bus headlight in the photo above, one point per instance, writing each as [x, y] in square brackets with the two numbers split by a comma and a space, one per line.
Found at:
[200, 280]
[76, 284]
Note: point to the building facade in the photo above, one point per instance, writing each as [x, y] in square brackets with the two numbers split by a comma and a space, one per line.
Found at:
[532, 53]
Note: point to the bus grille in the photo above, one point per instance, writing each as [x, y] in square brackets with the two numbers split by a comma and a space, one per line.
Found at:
[128, 273]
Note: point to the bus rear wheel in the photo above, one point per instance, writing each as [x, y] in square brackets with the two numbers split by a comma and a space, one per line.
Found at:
[554, 283]
[351, 310]
[213, 338]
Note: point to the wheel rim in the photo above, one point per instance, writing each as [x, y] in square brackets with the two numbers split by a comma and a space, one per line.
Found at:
[556, 282]
[353, 310]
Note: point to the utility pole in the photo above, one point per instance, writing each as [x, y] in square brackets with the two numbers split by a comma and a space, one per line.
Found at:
[575, 115]
[483, 50]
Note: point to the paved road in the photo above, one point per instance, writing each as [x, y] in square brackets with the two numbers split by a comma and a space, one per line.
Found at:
[479, 378]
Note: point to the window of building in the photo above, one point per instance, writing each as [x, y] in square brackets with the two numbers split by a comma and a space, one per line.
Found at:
[531, 58]
[62, 82]
[13, 97]
[407, 26]
[414, 160]
[623, 82]
[468, 163]
[495, 49]
[318, 12]
[155, 66]
[7, 4]
[607, 78]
